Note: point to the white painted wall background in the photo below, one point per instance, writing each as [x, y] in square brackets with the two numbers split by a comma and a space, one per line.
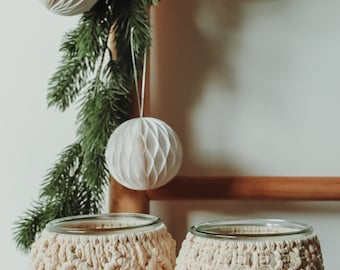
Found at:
[270, 49]
[31, 135]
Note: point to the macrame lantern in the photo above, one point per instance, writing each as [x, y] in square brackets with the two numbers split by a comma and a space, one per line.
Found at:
[143, 153]
[121, 241]
[69, 7]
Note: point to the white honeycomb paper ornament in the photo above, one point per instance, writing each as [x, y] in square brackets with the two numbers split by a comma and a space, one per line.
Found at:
[143, 153]
[68, 7]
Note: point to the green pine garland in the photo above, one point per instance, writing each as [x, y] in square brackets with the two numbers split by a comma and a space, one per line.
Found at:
[102, 88]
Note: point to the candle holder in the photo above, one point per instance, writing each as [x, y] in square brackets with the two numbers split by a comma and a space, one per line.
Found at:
[250, 244]
[109, 242]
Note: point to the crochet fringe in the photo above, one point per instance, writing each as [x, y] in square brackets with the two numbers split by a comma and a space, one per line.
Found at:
[206, 254]
[150, 250]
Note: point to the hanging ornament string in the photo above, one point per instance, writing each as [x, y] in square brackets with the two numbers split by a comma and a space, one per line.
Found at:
[140, 96]
[144, 152]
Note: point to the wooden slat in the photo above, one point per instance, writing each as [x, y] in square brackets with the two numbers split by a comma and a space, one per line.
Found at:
[123, 199]
[249, 187]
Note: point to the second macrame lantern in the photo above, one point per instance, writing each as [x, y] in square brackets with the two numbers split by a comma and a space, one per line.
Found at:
[143, 153]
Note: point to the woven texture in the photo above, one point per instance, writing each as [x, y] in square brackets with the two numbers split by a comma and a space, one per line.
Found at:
[202, 253]
[151, 250]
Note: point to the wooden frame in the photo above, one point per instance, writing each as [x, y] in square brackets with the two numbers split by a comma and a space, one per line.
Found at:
[226, 188]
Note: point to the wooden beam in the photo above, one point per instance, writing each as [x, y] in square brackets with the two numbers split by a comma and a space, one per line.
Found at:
[249, 187]
[123, 199]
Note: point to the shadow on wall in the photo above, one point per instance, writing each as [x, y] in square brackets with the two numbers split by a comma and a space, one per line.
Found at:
[187, 50]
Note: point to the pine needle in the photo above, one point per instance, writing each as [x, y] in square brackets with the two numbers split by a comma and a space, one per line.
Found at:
[102, 89]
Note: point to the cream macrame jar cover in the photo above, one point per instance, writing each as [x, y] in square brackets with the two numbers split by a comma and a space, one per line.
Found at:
[108, 242]
[250, 244]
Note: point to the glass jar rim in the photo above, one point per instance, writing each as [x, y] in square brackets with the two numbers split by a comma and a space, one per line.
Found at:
[266, 229]
[88, 224]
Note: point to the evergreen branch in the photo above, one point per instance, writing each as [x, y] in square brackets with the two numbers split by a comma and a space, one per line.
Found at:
[135, 16]
[66, 83]
[64, 193]
[101, 112]
[80, 49]
[75, 185]
[67, 168]
[33, 221]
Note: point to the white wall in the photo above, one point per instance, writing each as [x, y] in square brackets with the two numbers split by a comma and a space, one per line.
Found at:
[252, 87]
[31, 135]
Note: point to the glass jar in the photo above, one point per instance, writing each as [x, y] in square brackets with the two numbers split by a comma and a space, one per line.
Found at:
[250, 244]
[109, 242]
